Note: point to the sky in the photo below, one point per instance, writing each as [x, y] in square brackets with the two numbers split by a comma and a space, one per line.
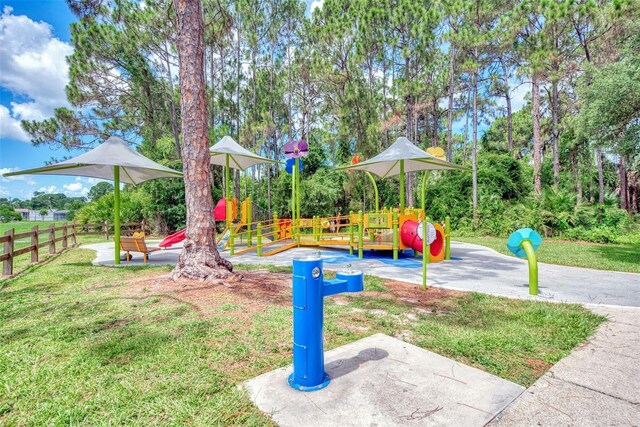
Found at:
[34, 41]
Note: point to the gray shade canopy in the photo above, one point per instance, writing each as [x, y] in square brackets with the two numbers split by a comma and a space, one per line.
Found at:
[413, 158]
[99, 162]
[228, 150]
[113, 160]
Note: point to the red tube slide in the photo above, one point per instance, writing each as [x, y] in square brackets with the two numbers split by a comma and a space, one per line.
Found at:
[411, 235]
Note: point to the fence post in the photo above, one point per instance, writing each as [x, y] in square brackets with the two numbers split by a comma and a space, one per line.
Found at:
[7, 264]
[34, 243]
[64, 236]
[74, 242]
[106, 230]
[52, 239]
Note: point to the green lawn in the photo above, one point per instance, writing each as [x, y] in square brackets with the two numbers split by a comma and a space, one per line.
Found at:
[613, 257]
[81, 344]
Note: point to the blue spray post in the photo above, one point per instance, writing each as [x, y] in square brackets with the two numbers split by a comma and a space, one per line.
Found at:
[309, 290]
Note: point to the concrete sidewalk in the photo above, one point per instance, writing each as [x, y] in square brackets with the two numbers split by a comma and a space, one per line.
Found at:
[598, 384]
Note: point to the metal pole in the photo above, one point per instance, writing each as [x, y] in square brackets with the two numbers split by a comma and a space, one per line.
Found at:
[227, 180]
[533, 266]
[425, 251]
[116, 212]
[447, 239]
[402, 191]
[375, 189]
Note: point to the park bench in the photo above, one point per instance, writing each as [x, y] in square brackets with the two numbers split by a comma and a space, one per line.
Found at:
[135, 244]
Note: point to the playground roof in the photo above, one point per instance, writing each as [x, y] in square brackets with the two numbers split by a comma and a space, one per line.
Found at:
[388, 162]
[238, 157]
[99, 162]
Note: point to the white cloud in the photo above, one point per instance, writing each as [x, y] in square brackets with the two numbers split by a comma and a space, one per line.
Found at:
[33, 66]
[49, 190]
[316, 4]
[75, 189]
[10, 127]
[26, 178]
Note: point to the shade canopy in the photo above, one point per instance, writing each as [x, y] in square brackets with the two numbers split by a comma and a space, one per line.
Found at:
[402, 154]
[227, 152]
[113, 160]
[99, 162]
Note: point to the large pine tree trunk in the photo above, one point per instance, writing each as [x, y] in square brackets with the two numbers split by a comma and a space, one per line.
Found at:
[474, 147]
[199, 258]
[624, 187]
[600, 177]
[555, 133]
[537, 139]
[507, 98]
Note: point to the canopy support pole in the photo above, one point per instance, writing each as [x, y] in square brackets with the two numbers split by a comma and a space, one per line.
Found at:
[375, 189]
[227, 187]
[424, 193]
[402, 191]
[298, 188]
[116, 212]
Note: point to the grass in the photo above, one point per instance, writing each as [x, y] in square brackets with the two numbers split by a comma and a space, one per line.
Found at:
[612, 257]
[24, 226]
[81, 344]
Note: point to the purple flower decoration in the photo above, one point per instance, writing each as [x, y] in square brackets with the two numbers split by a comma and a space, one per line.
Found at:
[296, 149]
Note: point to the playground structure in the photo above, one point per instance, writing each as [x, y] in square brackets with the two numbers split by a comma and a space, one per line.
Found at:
[395, 230]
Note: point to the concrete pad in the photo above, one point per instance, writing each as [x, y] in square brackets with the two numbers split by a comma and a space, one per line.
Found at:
[553, 402]
[380, 380]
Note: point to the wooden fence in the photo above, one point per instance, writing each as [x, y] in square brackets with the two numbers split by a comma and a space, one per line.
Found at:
[67, 238]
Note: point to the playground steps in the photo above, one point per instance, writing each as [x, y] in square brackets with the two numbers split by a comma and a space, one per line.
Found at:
[282, 248]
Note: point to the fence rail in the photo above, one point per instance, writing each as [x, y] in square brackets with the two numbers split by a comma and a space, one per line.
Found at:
[68, 236]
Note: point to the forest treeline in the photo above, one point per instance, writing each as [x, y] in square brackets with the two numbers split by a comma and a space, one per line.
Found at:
[352, 76]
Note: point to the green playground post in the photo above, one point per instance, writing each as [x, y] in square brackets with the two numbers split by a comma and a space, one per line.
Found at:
[375, 189]
[425, 253]
[227, 180]
[259, 237]
[116, 212]
[447, 237]
[231, 240]
[350, 233]
[533, 266]
[249, 220]
[396, 233]
[298, 191]
[293, 194]
[402, 177]
[360, 234]
[424, 193]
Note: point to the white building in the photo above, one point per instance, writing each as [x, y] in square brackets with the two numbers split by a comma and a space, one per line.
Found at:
[34, 215]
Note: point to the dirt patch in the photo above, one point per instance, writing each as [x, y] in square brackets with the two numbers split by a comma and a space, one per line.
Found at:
[432, 299]
[254, 290]
[538, 366]
[251, 291]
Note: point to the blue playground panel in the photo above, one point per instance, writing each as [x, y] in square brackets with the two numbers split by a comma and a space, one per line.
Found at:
[405, 260]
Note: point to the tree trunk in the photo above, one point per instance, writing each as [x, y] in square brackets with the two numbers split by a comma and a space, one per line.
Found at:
[555, 133]
[199, 258]
[507, 99]
[600, 177]
[474, 147]
[537, 139]
[452, 59]
[624, 187]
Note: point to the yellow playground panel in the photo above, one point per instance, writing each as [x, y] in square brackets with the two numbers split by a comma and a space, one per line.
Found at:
[388, 230]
